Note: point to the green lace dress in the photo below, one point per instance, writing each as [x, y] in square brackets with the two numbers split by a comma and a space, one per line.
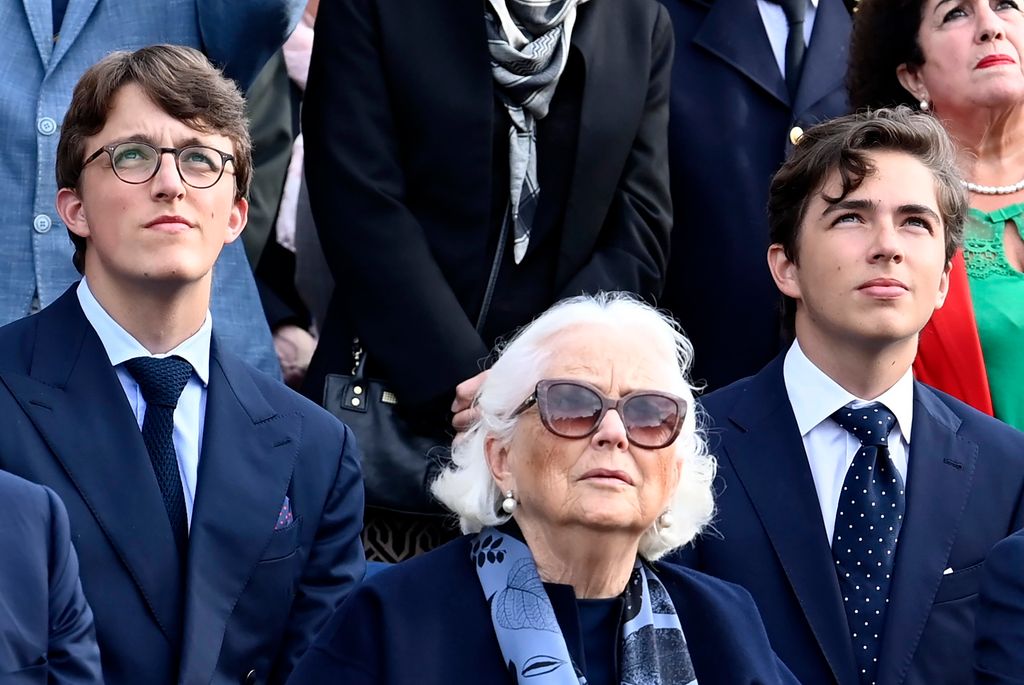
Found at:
[997, 294]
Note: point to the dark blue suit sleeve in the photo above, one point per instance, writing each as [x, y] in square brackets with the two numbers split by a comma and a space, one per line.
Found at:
[999, 628]
[74, 658]
[352, 648]
[336, 562]
[241, 37]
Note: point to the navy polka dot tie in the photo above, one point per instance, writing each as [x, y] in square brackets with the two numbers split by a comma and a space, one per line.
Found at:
[868, 522]
[161, 382]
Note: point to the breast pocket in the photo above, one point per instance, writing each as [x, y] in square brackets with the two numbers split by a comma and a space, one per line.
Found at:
[284, 542]
[959, 584]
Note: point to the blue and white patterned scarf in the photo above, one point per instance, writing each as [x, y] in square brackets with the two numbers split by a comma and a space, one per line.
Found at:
[529, 44]
[653, 650]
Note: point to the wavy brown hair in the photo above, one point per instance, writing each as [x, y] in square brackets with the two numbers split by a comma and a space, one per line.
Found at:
[845, 145]
[179, 80]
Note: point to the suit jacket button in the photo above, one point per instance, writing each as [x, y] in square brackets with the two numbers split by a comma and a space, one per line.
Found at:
[795, 134]
[250, 677]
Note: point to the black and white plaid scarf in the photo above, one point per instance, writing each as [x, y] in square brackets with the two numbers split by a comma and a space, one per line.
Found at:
[529, 45]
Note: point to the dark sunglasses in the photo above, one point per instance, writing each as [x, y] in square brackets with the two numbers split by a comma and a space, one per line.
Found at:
[574, 409]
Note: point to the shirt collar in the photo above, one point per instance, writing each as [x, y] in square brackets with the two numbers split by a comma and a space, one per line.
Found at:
[814, 396]
[121, 346]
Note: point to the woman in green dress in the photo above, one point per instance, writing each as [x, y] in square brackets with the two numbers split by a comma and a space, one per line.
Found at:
[961, 60]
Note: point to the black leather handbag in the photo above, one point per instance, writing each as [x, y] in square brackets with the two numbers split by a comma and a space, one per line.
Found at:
[398, 463]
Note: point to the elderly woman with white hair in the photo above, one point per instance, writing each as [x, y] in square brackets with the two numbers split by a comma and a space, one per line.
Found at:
[584, 466]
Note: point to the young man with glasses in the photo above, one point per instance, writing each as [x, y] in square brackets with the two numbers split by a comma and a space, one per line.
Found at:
[216, 512]
[856, 504]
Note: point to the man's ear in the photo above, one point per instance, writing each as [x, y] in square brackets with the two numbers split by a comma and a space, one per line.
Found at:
[940, 298]
[72, 212]
[910, 78]
[784, 270]
[236, 222]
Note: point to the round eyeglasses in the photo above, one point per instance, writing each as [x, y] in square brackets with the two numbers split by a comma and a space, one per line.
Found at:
[136, 162]
[574, 409]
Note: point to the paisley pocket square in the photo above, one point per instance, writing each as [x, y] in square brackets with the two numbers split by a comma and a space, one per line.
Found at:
[285, 517]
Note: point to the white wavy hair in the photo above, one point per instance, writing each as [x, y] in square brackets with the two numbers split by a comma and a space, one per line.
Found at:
[467, 487]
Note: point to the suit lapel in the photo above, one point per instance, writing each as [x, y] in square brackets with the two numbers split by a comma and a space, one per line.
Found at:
[604, 81]
[245, 467]
[74, 21]
[768, 456]
[77, 404]
[941, 470]
[40, 21]
[825, 62]
[470, 108]
[733, 31]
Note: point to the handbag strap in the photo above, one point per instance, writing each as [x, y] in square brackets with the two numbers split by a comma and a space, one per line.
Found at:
[358, 359]
[359, 354]
[492, 280]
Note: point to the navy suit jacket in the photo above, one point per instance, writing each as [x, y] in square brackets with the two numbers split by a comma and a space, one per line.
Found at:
[999, 646]
[964, 493]
[427, 621]
[729, 132]
[46, 628]
[255, 595]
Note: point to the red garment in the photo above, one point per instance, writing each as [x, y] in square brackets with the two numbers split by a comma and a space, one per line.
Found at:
[949, 353]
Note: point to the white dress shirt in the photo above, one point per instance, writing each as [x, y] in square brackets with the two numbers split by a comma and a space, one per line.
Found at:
[830, 448]
[777, 27]
[189, 416]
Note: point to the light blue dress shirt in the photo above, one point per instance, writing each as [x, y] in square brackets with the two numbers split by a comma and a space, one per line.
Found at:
[190, 414]
[777, 27]
[830, 449]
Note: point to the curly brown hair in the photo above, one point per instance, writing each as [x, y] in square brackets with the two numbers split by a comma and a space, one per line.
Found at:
[884, 37]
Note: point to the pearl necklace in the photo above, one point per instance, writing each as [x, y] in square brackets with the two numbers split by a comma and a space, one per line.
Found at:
[994, 190]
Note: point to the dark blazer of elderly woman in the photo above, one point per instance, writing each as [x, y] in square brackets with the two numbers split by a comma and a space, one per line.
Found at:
[962, 61]
[584, 467]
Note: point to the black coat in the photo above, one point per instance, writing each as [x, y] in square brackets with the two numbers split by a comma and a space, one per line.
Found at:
[399, 126]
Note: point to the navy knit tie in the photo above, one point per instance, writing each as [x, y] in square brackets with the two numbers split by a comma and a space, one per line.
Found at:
[161, 382]
[868, 522]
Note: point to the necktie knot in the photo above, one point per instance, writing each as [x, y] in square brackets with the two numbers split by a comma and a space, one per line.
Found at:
[795, 10]
[871, 424]
[160, 380]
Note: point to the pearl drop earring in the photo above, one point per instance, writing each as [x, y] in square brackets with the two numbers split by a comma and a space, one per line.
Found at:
[924, 105]
[508, 505]
[667, 519]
